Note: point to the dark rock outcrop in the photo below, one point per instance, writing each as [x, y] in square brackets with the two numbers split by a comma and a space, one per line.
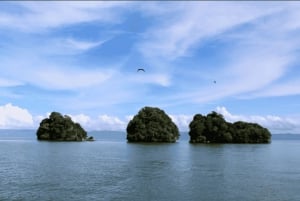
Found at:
[214, 129]
[152, 125]
[61, 128]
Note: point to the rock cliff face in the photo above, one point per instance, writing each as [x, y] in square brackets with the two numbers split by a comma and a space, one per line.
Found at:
[60, 128]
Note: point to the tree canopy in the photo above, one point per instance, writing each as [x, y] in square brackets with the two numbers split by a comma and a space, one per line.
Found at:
[60, 128]
[213, 128]
[152, 124]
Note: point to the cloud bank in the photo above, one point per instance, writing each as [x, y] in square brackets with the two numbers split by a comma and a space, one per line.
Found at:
[275, 124]
[14, 117]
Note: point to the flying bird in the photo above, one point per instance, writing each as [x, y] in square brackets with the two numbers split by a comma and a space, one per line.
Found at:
[140, 69]
[215, 81]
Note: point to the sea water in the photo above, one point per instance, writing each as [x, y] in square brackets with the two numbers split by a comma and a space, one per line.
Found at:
[110, 168]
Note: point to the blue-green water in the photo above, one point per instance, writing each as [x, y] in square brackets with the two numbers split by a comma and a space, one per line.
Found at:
[112, 169]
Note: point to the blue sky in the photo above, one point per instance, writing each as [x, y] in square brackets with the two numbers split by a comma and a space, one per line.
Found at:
[81, 59]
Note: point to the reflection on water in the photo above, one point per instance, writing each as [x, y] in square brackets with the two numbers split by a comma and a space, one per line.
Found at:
[112, 169]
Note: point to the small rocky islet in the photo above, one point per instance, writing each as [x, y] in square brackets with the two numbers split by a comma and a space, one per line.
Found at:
[61, 128]
[213, 128]
[152, 124]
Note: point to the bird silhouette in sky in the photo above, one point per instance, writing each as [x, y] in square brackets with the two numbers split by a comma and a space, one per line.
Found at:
[140, 69]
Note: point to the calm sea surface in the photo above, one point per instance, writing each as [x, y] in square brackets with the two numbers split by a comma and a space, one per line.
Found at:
[112, 169]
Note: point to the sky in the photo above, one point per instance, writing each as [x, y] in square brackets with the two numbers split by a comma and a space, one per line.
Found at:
[240, 59]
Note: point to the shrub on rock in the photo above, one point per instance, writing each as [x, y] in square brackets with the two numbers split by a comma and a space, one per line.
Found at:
[60, 128]
[152, 124]
[213, 128]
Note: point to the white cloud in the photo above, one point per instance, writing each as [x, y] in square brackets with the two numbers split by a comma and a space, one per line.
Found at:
[67, 46]
[195, 22]
[274, 123]
[40, 16]
[151, 78]
[67, 78]
[111, 123]
[290, 87]
[260, 55]
[15, 117]
[37, 119]
[9, 83]
[82, 45]
[163, 80]
[102, 122]
[129, 117]
[182, 121]
[82, 119]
